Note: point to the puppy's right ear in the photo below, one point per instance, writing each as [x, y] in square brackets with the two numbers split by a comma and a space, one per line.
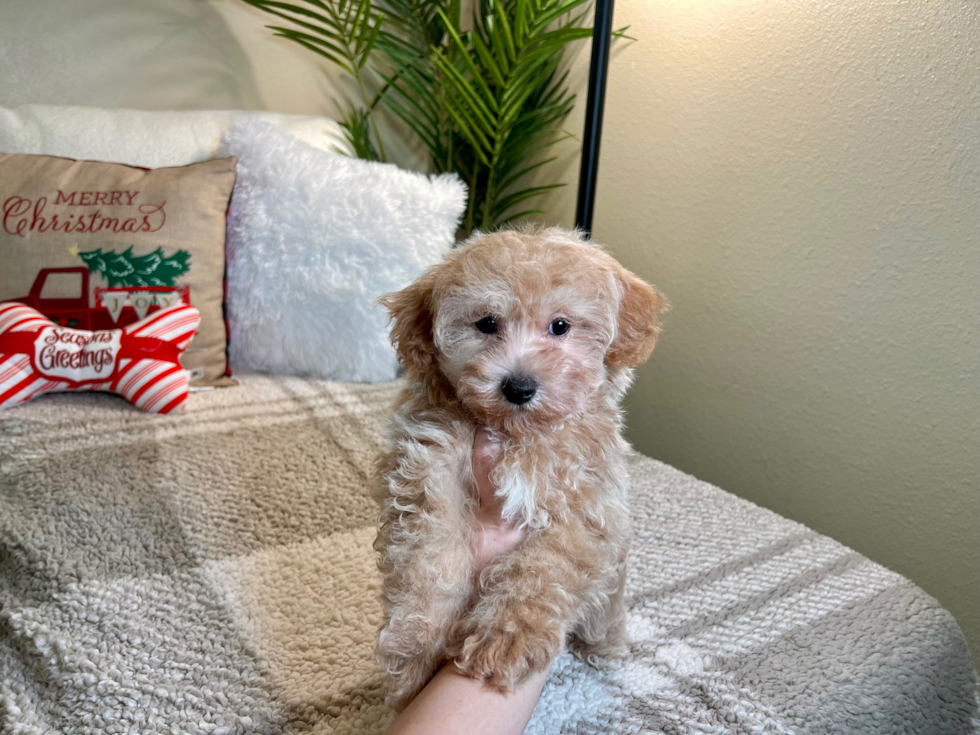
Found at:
[411, 325]
[638, 326]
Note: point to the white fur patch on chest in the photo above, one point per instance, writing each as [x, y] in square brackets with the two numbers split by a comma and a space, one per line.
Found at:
[519, 487]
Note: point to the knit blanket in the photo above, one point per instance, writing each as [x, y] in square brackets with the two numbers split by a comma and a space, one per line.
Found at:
[213, 573]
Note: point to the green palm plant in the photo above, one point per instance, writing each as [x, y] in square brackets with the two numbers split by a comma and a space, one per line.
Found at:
[342, 31]
[487, 103]
[412, 84]
[506, 98]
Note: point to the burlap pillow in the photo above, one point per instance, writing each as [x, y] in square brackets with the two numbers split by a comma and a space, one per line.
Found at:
[100, 245]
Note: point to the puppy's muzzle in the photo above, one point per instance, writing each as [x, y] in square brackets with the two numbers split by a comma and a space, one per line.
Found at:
[519, 390]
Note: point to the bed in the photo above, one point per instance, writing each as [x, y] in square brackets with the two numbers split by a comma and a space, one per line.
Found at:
[213, 573]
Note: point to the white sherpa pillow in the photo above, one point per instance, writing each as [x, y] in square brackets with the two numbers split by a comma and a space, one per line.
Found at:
[314, 238]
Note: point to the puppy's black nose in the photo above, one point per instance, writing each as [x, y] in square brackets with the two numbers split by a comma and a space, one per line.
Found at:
[519, 390]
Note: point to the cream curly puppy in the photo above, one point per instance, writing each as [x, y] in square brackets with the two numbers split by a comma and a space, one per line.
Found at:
[532, 335]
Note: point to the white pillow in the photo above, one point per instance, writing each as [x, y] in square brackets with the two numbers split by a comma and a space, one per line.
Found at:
[140, 138]
[314, 239]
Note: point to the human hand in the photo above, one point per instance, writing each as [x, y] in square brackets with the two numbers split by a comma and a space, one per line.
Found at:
[494, 535]
[452, 701]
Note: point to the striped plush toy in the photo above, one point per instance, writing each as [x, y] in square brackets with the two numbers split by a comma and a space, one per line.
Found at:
[140, 362]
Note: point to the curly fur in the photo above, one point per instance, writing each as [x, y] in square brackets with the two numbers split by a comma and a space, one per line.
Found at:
[561, 473]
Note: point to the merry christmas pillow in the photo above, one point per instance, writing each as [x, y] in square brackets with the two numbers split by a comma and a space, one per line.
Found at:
[99, 246]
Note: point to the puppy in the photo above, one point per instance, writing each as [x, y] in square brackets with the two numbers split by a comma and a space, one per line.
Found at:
[533, 335]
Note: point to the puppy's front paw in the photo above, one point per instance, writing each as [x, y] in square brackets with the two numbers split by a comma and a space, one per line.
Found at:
[403, 678]
[503, 653]
[407, 660]
[608, 652]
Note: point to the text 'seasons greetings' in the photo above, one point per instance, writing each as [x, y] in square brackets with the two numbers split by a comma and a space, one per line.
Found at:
[22, 215]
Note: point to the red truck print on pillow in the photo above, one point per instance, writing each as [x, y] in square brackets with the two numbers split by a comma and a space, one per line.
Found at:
[138, 285]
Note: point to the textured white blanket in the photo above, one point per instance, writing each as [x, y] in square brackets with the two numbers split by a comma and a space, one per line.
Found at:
[213, 573]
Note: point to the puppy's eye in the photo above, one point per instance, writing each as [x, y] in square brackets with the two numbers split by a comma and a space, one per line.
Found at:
[487, 325]
[559, 327]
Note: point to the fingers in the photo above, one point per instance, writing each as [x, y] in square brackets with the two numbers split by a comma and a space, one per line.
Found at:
[485, 449]
[494, 535]
[493, 540]
[485, 453]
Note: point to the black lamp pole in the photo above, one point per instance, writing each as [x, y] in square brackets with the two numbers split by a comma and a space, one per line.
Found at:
[589, 173]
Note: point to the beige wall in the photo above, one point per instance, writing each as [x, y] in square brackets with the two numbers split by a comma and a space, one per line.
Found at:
[801, 178]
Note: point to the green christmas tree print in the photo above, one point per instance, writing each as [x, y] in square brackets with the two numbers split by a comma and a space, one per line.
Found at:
[125, 269]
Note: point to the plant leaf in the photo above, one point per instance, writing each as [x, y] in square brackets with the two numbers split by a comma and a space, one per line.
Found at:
[621, 33]
[343, 65]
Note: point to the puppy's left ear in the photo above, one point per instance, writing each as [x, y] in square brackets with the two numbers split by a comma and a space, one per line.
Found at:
[411, 328]
[638, 324]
